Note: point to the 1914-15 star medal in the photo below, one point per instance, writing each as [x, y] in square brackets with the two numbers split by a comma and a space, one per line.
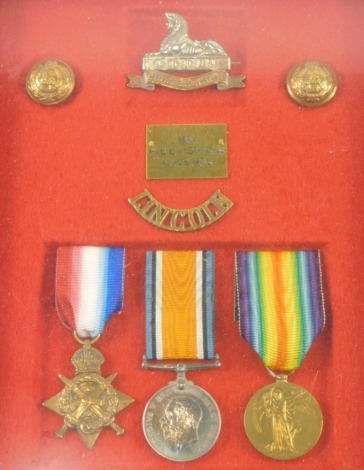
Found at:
[89, 402]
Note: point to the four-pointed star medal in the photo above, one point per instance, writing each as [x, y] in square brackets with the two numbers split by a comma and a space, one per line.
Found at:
[89, 402]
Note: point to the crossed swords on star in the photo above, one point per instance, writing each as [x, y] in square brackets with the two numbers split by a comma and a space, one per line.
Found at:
[94, 402]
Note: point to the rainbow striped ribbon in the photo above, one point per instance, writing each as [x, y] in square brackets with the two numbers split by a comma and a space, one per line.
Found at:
[279, 304]
[179, 299]
[89, 286]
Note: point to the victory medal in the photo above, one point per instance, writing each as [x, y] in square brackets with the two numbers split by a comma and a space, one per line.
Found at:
[89, 290]
[280, 310]
[181, 422]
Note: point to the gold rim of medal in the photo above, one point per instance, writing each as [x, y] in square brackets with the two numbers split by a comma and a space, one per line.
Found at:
[283, 421]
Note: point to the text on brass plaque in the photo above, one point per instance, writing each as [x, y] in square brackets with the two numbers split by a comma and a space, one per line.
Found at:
[186, 151]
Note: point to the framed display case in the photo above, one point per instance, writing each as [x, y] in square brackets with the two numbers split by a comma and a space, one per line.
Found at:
[294, 176]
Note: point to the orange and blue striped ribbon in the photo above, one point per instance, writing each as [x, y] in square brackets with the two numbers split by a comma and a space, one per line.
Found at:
[179, 300]
[279, 304]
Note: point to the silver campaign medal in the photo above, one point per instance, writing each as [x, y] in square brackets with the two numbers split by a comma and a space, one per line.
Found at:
[181, 422]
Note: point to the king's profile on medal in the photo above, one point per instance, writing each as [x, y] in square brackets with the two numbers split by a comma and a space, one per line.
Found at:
[180, 53]
[180, 422]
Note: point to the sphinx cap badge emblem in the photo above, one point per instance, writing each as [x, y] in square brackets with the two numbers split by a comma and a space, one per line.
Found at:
[179, 53]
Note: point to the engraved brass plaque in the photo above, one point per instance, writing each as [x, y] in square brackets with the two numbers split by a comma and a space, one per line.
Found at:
[186, 151]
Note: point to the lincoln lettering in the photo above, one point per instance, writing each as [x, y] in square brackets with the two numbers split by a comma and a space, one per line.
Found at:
[181, 220]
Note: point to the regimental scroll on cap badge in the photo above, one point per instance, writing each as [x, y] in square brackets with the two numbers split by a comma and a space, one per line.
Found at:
[179, 53]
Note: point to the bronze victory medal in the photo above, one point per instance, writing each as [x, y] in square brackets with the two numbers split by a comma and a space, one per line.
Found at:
[50, 82]
[283, 421]
[311, 83]
[186, 151]
[181, 424]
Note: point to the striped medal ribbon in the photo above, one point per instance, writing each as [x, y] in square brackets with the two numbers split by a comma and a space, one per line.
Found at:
[280, 310]
[280, 305]
[89, 289]
[179, 301]
[181, 421]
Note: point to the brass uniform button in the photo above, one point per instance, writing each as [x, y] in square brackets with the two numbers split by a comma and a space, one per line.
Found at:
[311, 83]
[50, 82]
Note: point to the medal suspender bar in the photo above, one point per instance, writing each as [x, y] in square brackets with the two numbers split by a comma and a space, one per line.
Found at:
[181, 422]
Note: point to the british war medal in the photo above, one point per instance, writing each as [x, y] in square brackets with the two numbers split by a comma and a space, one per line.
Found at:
[181, 422]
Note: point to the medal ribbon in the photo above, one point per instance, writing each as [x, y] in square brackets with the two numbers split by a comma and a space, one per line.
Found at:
[179, 298]
[89, 287]
[279, 304]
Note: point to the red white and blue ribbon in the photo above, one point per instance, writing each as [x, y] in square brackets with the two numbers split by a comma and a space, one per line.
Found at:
[89, 287]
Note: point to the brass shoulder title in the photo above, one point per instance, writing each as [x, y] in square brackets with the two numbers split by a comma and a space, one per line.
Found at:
[181, 220]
